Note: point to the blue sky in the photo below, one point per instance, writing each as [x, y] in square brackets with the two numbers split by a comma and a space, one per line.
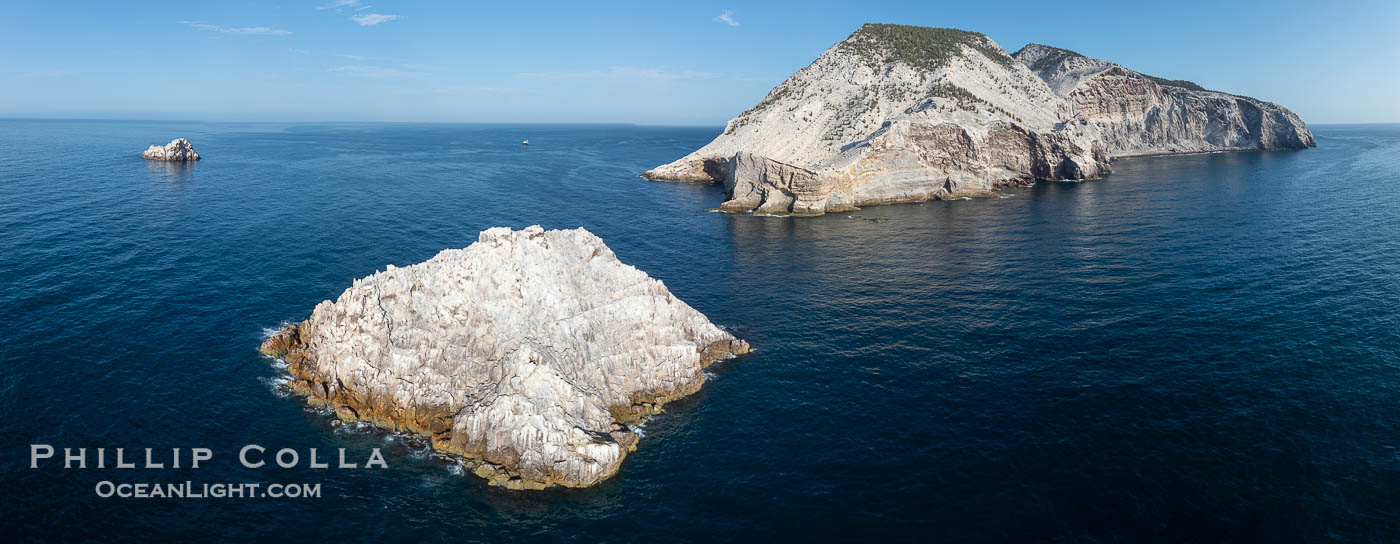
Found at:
[634, 62]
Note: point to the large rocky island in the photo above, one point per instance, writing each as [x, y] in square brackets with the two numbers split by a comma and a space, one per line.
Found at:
[531, 353]
[898, 113]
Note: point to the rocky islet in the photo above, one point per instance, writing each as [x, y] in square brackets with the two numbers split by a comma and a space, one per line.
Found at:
[178, 150]
[531, 353]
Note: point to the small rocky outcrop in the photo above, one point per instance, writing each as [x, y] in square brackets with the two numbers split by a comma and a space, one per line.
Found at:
[178, 149]
[899, 113]
[531, 353]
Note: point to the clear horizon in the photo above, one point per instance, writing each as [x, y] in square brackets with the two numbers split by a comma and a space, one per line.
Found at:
[633, 63]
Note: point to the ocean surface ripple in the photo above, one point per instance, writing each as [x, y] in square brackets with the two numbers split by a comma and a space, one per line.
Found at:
[1195, 348]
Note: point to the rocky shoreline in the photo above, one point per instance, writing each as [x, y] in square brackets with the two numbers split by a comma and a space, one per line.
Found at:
[493, 354]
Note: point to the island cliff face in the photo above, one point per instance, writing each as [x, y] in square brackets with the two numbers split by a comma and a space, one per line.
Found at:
[1136, 114]
[532, 353]
[899, 114]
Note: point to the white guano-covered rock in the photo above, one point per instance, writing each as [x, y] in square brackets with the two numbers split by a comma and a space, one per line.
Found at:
[178, 149]
[529, 352]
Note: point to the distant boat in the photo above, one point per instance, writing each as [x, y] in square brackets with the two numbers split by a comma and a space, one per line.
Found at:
[526, 142]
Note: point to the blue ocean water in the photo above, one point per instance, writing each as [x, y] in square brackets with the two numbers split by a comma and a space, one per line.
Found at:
[1195, 348]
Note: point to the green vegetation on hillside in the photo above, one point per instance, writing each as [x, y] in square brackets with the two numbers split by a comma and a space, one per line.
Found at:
[923, 48]
[1190, 86]
[966, 100]
[1058, 55]
[773, 97]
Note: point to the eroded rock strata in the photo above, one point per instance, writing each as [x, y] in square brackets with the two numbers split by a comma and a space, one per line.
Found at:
[898, 114]
[178, 149]
[530, 352]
